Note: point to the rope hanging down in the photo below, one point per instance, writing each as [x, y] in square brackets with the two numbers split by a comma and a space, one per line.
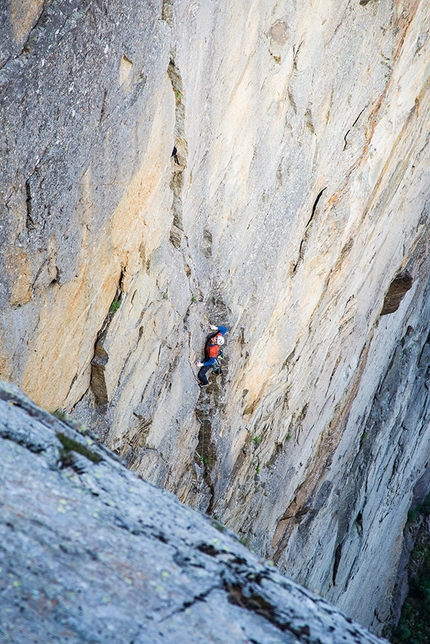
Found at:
[218, 427]
[202, 458]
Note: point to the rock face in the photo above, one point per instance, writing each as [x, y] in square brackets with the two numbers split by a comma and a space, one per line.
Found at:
[90, 553]
[263, 165]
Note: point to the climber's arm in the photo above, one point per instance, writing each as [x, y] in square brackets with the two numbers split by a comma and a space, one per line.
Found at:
[222, 329]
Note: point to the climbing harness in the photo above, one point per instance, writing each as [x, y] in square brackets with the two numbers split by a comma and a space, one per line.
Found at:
[218, 364]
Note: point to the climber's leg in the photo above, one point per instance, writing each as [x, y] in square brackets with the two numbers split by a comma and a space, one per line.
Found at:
[202, 375]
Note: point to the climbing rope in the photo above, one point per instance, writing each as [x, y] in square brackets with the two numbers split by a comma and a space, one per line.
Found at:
[202, 458]
[218, 427]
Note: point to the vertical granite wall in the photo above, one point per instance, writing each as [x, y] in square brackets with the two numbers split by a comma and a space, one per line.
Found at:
[265, 166]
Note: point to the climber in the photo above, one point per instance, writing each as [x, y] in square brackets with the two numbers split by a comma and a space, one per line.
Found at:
[212, 353]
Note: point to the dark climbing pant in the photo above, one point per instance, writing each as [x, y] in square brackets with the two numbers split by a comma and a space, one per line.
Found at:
[202, 375]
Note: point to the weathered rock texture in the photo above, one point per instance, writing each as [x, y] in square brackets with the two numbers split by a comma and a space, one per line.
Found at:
[264, 164]
[90, 553]
[412, 589]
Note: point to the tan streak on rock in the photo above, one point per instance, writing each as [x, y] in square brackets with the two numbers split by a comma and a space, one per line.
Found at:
[71, 315]
[24, 14]
[21, 277]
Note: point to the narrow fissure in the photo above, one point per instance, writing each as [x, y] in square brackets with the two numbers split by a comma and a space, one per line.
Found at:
[314, 207]
[304, 240]
[209, 412]
[205, 454]
[101, 356]
[337, 558]
[345, 138]
[29, 220]
[179, 152]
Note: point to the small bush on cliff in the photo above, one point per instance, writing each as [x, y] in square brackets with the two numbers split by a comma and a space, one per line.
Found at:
[115, 305]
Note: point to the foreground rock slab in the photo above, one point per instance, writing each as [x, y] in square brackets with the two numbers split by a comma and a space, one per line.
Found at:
[91, 553]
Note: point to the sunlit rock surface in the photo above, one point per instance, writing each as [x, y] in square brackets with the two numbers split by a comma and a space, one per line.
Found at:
[263, 165]
[91, 553]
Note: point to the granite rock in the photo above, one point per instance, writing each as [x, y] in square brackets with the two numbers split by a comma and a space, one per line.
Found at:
[91, 553]
[263, 165]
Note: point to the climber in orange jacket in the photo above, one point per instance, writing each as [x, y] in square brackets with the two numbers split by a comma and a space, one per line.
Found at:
[212, 353]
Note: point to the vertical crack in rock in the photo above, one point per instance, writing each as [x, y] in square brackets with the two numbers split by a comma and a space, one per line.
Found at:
[205, 453]
[29, 223]
[345, 138]
[209, 412]
[101, 356]
[314, 207]
[303, 243]
[337, 558]
[179, 152]
[296, 51]
[98, 365]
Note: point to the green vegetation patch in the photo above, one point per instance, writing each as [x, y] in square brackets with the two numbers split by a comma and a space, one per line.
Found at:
[115, 305]
[73, 446]
[218, 525]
